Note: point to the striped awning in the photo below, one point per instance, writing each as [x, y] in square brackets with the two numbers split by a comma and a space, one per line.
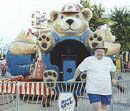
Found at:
[29, 88]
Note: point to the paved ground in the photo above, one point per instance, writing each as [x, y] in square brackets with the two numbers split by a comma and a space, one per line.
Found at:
[83, 105]
[121, 102]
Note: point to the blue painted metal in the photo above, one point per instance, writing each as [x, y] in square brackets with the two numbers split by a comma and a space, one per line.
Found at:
[69, 67]
[19, 64]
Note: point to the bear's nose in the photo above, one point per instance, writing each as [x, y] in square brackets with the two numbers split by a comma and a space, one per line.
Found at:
[69, 21]
[94, 44]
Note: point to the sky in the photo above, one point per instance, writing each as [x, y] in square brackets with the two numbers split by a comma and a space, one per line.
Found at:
[16, 14]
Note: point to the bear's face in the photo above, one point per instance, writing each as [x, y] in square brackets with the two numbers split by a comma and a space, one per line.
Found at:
[71, 23]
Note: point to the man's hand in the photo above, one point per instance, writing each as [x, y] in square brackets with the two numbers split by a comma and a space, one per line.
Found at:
[120, 88]
[114, 82]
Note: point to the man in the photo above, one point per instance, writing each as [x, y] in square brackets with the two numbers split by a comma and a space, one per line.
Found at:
[98, 86]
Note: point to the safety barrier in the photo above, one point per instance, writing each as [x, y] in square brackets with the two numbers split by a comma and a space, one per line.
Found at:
[121, 98]
[36, 96]
[8, 96]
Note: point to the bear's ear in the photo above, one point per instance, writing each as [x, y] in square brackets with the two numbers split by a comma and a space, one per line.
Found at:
[54, 15]
[87, 13]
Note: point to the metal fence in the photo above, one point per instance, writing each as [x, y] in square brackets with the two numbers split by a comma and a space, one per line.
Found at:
[8, 96]
[121, 98]
[36, 96]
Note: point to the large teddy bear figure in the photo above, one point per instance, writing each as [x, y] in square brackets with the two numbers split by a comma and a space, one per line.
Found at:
[71, 23]
[70, 28]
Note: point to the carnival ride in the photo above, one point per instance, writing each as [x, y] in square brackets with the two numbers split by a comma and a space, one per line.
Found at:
[55, 59]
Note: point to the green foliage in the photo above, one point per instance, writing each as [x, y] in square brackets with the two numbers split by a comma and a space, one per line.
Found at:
[121, 28]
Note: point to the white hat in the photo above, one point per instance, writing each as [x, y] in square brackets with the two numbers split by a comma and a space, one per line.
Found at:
[71, 7]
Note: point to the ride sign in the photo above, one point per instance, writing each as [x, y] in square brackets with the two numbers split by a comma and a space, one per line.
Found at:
[66, 102]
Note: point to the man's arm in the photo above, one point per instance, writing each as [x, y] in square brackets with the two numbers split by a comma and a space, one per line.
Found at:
[80, 69]
[115, 82]
[77, 73]
[113, 72]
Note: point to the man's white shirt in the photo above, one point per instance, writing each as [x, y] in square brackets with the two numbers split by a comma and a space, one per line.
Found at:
[98, 74]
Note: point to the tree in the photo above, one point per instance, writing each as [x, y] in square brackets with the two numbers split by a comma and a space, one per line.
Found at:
[121, 28]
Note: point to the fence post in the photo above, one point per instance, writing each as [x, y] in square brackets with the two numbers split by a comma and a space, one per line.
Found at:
[17, 97]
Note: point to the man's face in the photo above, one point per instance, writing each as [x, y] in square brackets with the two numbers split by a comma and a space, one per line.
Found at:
[99, 53]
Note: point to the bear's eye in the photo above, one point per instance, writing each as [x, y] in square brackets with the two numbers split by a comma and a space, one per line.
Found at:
[77, 16]
[62, 16]
[99, 38]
